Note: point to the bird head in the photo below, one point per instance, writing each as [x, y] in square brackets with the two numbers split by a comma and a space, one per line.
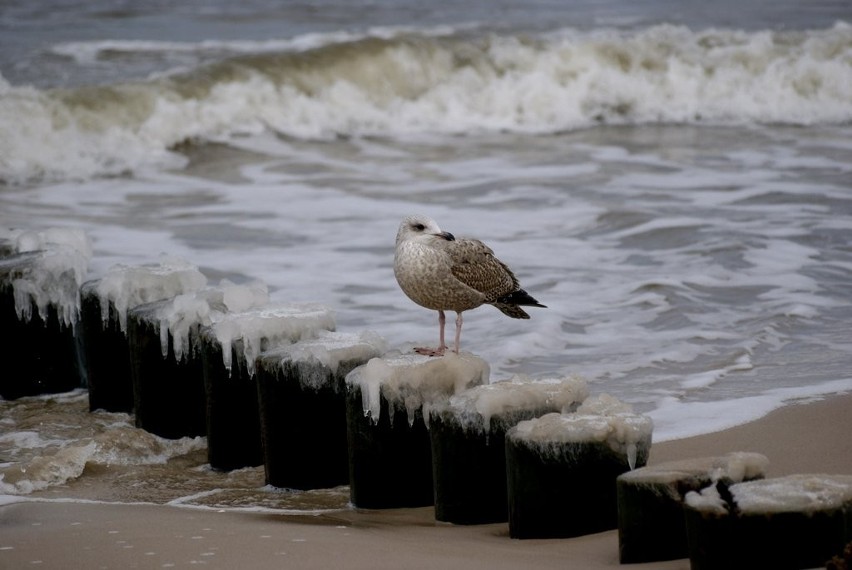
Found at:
[421, 228]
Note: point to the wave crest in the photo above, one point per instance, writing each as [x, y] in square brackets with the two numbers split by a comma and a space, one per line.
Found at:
[408, 83]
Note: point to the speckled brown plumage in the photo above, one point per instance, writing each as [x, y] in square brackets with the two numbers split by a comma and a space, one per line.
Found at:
[440, 272]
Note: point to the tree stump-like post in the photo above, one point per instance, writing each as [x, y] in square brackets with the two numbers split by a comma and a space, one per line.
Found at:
[230, 348]
[468, 442]
[793, 522]
[301, 395]
[168, 390]
[651, 524]
[562, 468]
[390, 457]
[39, 304]
[105, 303]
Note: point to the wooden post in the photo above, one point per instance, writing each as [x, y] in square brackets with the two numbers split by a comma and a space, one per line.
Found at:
[562, 468]
[105, 304]
[168, 392]
[798, 521]
[41, 353]
[230, 347]
[233, 418]
[651, 524]
[390, 462]
[107, 352]
[390, 458]
[468, 443]
[301, 391]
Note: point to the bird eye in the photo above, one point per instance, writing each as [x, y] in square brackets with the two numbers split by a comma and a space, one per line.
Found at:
[419, 227]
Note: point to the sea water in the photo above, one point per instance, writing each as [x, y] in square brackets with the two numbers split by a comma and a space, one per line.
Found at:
[674, 182]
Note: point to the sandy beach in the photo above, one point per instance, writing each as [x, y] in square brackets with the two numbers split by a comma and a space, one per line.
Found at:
[800, 438]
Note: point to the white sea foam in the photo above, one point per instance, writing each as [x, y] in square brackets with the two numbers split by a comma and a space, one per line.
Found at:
[676, 419]
[402, 85]
[49, 440]
[65, 461]
[89, 52]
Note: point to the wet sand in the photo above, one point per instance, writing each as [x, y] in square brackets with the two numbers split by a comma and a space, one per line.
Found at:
[802, 438]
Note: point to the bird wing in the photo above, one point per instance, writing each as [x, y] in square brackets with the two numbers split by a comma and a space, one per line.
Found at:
[474, 264]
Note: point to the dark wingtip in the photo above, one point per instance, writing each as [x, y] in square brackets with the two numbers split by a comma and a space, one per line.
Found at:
[520, 297]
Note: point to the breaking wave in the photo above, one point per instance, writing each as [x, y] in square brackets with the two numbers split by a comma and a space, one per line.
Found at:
[65, 439]
[402, 84]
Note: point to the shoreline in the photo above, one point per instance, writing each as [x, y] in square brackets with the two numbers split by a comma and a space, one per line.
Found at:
[798, 438]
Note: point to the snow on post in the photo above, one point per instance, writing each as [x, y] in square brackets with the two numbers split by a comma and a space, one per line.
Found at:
[165, 357]
[59, 260]
[651, 523]
[40, 279]
[562, 468]
[301, 394]
[230, 348]
[390, 459]
[105, 303]
[798, 521]
[124, 287]
[468, 442]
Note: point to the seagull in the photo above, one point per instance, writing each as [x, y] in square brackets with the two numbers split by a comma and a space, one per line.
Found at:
[442, 273]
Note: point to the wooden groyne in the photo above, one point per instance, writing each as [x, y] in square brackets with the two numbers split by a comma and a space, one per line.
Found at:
[276, 385]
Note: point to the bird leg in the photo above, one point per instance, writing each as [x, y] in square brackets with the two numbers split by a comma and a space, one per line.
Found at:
[442, 320]
[459, 321]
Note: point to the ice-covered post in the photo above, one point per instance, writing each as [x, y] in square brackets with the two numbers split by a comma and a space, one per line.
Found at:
[798, 521]
[302, 402]
[103, 318]
[561, 468]
[390, 459]
[230, 348]
[39, 309]
[166, 365]
[468, 442]
[651, 523]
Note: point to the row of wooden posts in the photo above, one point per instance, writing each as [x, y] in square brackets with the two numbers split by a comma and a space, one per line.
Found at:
[317, 435]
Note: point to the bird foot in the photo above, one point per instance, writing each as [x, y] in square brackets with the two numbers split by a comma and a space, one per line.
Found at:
[432, 351]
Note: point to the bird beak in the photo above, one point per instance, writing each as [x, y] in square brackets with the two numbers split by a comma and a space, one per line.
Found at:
[447, 236]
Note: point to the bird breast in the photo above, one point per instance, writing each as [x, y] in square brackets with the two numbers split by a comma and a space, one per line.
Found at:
[425, 275]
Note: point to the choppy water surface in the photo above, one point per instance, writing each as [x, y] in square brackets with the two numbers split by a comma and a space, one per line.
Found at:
[678, 194]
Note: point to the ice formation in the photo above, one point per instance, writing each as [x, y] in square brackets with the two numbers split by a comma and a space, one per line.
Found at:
[475, 407]
[128, 286]
[736, 466]
[49, 270]
[313, 357]
[182, 314]
[410, 381]
[601, 419]
[794, 493]
[265, 327]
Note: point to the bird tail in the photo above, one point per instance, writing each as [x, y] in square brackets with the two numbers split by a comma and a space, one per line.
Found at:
[509, 304]
[513, 311]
